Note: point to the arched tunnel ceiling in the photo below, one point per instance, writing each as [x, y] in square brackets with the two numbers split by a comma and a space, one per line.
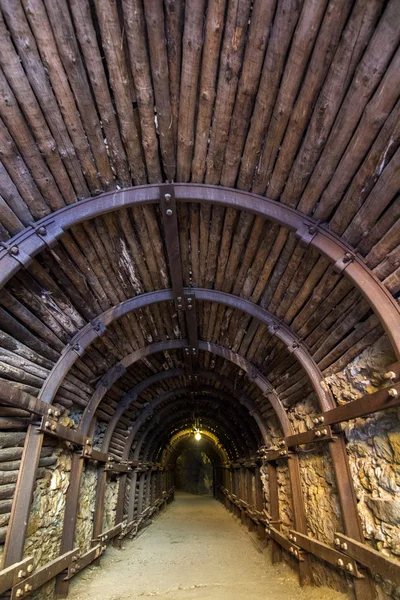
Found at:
[295, 101]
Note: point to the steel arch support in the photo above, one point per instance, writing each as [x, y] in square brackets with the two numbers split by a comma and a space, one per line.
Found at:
[23, 246]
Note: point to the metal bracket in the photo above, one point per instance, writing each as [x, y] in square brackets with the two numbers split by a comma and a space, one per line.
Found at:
[89, 452]
[320, 434]
[52, 427]
[191, 321]
[374, 560]
[99, 327]
[44, 574]
[286, 544]
[306, 233]
[328, 554]
[341, 264]
[170, 223]
[15, 574]
[49, 237]
[84, 560]
[17, 253]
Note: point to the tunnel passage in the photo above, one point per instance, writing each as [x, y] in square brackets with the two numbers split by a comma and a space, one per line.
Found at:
[199, 234]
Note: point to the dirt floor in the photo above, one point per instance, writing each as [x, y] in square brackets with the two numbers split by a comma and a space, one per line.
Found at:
[193, 550]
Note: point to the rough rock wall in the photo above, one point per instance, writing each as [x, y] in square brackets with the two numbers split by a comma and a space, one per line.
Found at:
[373, 447]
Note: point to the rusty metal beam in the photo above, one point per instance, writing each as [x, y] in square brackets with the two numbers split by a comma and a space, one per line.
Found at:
[27, 243]
[367, 556]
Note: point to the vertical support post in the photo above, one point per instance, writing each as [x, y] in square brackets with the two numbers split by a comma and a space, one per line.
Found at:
[99, 506]
[132, 496]
[141, 498]
[148, 489]
[250, 500]
[351, 519]
[300, 519]
[260, 501]
[70, 517]
[274, 509]
[15, 539]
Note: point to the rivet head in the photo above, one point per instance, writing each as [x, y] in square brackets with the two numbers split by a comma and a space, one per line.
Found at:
[50, 411]
[340, 563]
[349, 567]
[30, 568]
[343, 546]
[393, 392]
[28, 588]
[337, 542]
[318, 434]
[169, 212]
[21, 574]
[167, 197]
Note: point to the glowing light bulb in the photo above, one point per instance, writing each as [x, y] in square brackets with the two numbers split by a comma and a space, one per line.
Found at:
[197, 436]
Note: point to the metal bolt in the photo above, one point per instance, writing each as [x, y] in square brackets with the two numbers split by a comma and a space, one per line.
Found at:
[296, 553]
[337, 542]
[50, 411]
[294, 538]
[57, 413]
[349, 567]
[189, 300]
[42, 231]
[169, 212]
[53, 426]
[21, 574]
[393, 392]
[389, 375]
[290, 536]
[340, 563]
[343, 546]
[316, 421]
[312, 229]
[291, 549]
[324, 432]
[30, 568]
[179, 298]
[190, 307]
[47, 424]
[28, 588]
[167, 197]
[321, 419]
[318, 434]
[347, 257]
[19, 593]
[14, 250]
[180, 306]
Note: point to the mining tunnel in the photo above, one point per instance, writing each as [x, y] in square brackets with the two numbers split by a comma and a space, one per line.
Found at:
[199, 317]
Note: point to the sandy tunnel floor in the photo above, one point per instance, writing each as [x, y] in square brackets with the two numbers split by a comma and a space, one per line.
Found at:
[194, 550]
